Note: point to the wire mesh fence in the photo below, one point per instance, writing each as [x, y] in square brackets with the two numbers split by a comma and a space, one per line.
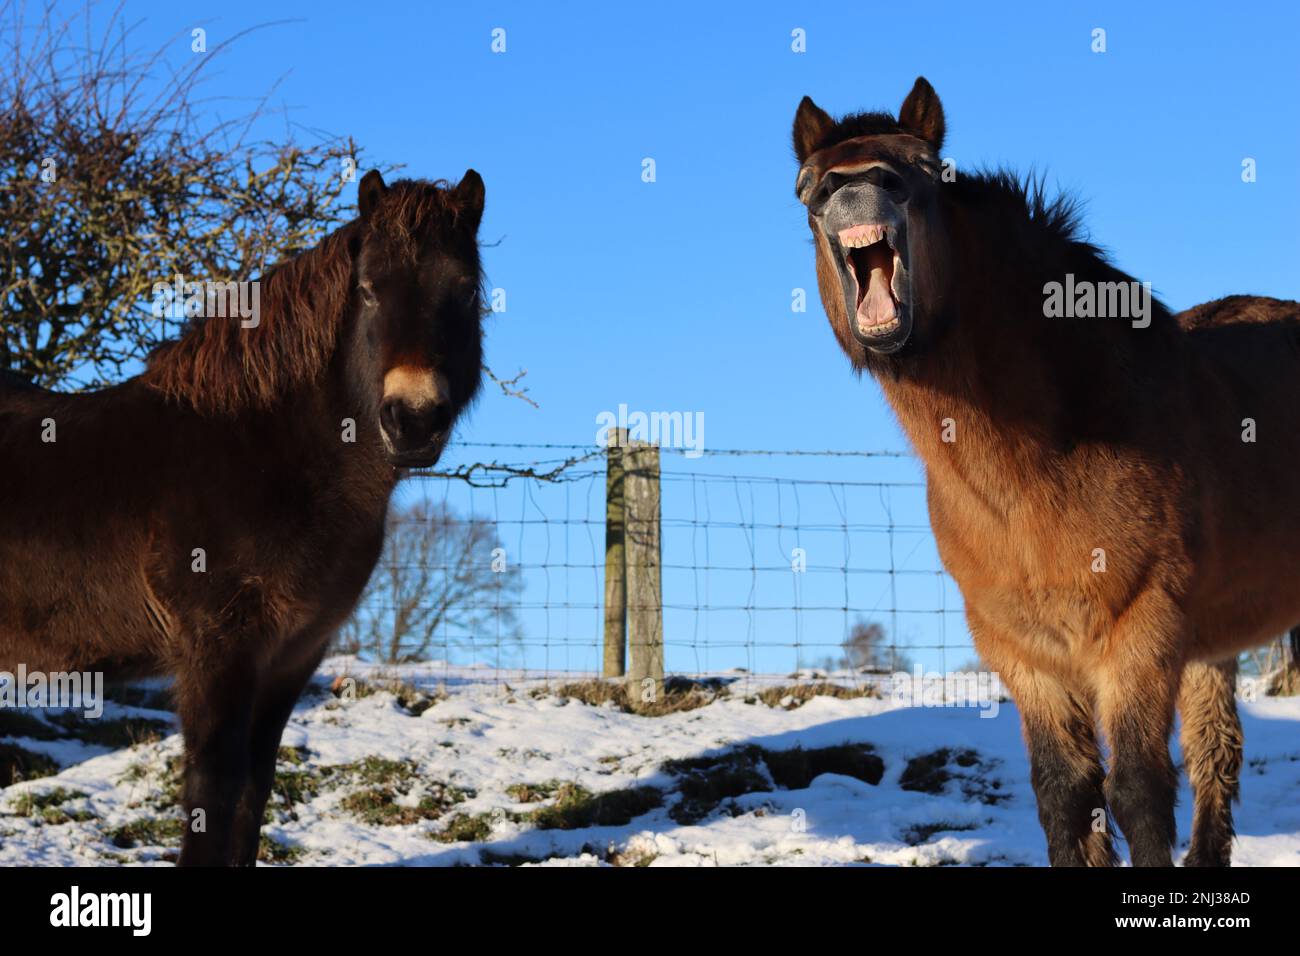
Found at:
[775, 566]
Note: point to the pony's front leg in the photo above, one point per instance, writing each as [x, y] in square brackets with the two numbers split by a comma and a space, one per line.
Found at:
[1137, 683]
[1064, 759]
[277, 696]
[215, 704]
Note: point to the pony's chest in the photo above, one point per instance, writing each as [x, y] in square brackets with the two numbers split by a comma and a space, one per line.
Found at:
[1031, 571]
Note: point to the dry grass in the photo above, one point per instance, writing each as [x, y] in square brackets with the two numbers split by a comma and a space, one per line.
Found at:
[1284, 683]
[147, 831]
[576, 808]
[465, 828]
[791, 696]
[410, 698]
[680, 694]
[532, 792]
[17, 763]
[48, 807]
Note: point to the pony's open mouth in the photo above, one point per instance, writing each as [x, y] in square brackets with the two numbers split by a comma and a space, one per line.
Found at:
[873, 265]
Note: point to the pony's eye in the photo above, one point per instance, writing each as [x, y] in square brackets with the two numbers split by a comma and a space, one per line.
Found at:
[367, 292]
[889, 181]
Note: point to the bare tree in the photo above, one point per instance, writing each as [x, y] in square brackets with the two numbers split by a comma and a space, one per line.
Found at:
[441, 582]
[113, 179]
[865, 649]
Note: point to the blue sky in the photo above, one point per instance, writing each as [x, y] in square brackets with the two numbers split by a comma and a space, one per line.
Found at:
[675, 295]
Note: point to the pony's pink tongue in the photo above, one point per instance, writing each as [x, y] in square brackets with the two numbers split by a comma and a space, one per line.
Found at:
[876, 307]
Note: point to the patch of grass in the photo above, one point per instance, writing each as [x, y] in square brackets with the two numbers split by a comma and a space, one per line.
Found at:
[294, 756]
[168, 779]
[417, 703]
[376, 771]
[932, 772]
[294, 786]
[792, 696]
[576, 808]
[18, 763]
[381, 782]
[796, 769]
[409, 697]
[294, 782]
[927, 773]
[124, 732]
[532, 792]
[273, 851]
[378, 806]
[146, 698]
[705, 782]
[147, 831]
[32, 802]
[466, 828]
[47, 808]
[634, 858]
[680, 694]
[57, 816]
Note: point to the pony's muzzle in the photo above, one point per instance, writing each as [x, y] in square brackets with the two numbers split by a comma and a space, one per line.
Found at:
[866, 226]
[415, 416]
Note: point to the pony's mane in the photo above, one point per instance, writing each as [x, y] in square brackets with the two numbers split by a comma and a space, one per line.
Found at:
[219, 367]
[1055, 216]
[858, 124]
[1047, 226]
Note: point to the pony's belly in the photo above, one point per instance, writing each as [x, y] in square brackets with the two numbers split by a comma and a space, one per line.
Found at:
[1242, 619]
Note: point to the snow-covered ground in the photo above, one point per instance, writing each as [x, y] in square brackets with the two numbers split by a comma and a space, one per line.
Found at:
[497, 768]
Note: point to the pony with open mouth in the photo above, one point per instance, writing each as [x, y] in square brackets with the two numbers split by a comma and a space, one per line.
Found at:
[1114, 494]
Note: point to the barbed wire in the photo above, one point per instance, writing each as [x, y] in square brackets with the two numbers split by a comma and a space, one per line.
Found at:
[703, 452]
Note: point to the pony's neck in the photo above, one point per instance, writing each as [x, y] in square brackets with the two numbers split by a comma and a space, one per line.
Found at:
[997, 384]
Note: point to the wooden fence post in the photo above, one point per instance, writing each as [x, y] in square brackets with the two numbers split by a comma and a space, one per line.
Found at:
[615, 559]
[645, 675]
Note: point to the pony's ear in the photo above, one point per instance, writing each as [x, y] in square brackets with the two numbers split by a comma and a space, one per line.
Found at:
[811, 125]
[922, 113]
[370, 191]
[468, 195]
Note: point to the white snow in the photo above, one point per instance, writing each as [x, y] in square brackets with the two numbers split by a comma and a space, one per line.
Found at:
[495, 730]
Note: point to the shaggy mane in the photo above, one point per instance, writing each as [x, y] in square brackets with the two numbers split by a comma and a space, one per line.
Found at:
[221, 368]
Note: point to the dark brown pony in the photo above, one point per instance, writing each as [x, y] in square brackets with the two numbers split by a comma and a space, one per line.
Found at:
[217, 517]
[1115, 496]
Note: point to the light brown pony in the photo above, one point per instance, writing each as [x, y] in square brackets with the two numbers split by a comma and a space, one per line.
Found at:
[1115, 496]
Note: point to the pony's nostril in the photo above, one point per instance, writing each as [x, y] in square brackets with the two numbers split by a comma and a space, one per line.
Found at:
[390, 417]
[411, 427]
